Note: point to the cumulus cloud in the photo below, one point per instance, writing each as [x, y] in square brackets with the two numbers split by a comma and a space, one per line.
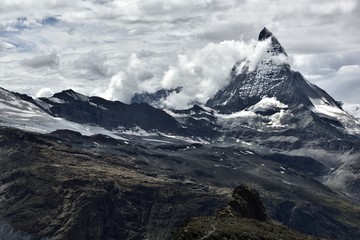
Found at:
[202, 73]
[133, 79]
[44, 92]
[44, 60]
[259, 53]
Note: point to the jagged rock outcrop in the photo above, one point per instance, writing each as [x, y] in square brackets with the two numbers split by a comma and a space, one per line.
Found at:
[243, 219]
[246, 203]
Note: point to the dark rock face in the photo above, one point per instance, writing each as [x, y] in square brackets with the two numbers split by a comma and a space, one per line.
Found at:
[276, 46]
[264, 34]
[246, 203]
[243, 219]
[108, 114]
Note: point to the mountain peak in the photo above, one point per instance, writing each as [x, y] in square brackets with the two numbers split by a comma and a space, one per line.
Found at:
[276, 47]
[70, 94]
[264, 34]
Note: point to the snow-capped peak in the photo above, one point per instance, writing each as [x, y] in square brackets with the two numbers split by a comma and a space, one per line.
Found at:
[275, 48]
[267, 53]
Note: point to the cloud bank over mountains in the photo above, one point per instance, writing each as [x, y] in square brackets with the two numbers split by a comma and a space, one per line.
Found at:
[117, 48]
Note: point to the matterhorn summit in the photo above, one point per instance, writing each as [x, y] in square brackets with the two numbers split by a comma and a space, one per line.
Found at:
[267, 73]
[276, 47]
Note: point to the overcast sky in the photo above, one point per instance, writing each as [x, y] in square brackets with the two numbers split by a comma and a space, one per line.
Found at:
[115, 48]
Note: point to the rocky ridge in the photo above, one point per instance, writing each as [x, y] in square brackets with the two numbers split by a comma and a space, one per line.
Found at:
[244, 219]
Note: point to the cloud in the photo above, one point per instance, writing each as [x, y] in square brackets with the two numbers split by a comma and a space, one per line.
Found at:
[260, 52]
[349, 69]
[94, 39]
[6, 46]
[92, 64]
[342, 84]
[324, 63]
[203, 72]
[44, 92]
[48, 60]
[133, 79]
[344, 6]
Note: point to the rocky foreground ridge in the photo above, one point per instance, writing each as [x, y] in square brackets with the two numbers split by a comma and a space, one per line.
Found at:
[244, 218]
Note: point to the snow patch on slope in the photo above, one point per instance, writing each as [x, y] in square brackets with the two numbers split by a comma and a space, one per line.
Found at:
[325, 109]
[17, 113]
[57, 100]
[252, 117]
[268, 103]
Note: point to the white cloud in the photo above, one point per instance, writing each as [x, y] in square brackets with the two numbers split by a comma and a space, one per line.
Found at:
[203, 72]
[44, 92]
[133, 79]
[331, 7]
[349, 69]
[44, 60]
[259, 53]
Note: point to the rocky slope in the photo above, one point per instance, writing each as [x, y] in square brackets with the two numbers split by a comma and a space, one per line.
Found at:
[64, 185]
[51, 190]
[244, 219]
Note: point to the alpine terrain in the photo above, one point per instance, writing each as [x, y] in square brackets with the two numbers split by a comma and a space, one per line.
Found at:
[270, 156]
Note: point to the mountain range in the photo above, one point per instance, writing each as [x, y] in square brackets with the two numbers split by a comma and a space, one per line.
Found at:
[89, 168]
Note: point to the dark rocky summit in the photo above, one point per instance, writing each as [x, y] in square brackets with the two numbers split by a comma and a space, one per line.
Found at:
[276, 46]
